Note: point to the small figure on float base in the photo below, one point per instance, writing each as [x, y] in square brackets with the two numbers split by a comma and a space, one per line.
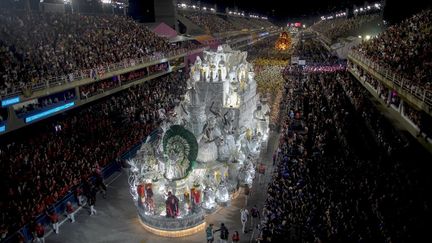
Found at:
[172, 209]
[149, 203]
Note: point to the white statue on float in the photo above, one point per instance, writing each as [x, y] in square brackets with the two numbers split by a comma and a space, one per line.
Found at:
[208, 150]
[262, 117]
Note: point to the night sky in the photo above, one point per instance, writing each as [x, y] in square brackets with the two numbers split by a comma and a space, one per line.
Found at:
[301, 10]
[287, 9]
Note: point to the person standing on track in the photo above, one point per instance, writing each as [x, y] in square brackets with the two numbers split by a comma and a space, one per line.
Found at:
[244, 214]
[224, 233]
[54, 218]
[255, 216]
[70, 212]
[92, 200]
[235, 237]
[209, 233]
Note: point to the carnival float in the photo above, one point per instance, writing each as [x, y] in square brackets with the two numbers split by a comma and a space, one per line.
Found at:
[283, 43]
[205, 150]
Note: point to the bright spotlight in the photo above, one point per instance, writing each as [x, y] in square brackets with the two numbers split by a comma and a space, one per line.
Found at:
[367, 37]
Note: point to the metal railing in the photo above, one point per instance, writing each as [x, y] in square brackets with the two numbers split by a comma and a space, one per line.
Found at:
[85, 74]
[420, 93]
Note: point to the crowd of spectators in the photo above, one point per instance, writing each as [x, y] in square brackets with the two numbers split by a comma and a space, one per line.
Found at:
[405, 49]
[39, 166]
[211, 23]
[325, 187]
[98, 87]
[390, 97]
[161, 67]
[215, 23]
[36, 46]
[44, 102]
[240, 23]
[344, 27]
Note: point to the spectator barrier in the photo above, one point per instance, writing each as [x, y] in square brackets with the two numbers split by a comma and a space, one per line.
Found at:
[398, 80]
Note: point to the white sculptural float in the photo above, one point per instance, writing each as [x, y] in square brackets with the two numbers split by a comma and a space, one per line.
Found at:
[219, 121]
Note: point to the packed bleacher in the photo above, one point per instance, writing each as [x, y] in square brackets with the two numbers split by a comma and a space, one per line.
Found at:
[405, 49]
[44, 162]
[35, 46]
[216, 23]
[418, 118]
[344, 27]
[326, 187]
[211, 23]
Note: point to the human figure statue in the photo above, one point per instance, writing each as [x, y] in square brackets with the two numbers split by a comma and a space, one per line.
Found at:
[229, 119]
[232, 99]
[209, 198]
[215, 110]
[141, 194]
[223, 150]
[149, 203]
[176, 162]
[207, 146]
[181, 115]
[171, 203]
[262, 117]
[195, 71]
[196, 198]
[186, 198]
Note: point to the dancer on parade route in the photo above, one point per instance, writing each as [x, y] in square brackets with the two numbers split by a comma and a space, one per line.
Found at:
[255, 216]
[224, 233]
[235, 237]
[209, 233]
[244, 214]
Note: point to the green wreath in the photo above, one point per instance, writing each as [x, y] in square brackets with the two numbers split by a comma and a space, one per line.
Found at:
[180, 140]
